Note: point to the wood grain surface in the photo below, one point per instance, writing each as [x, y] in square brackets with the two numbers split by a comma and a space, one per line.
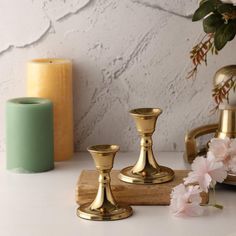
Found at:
[132, 194]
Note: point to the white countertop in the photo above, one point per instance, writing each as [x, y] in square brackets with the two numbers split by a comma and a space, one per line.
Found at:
[44, 205]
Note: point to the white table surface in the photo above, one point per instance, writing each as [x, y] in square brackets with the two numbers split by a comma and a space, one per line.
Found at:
[44, 205]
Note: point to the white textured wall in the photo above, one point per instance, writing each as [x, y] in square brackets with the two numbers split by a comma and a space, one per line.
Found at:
[126, 53]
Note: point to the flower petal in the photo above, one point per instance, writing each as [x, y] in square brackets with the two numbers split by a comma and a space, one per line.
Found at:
[220, 147]
[187, 203]
[204, 182]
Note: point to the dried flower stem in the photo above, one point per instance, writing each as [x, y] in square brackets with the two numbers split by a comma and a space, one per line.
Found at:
[221, 91]
[199, 53]
[214, 204]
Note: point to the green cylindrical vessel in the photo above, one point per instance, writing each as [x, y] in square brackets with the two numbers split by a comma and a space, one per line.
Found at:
[29, 135]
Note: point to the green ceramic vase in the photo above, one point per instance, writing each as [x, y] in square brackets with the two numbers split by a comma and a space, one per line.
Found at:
[29, 135]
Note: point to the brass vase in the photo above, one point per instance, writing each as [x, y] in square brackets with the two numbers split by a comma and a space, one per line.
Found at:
[226, 126]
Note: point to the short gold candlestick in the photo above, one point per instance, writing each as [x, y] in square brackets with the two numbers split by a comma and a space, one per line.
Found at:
[146, 170]
[104, 207]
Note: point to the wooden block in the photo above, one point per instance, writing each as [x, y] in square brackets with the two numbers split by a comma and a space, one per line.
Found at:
[132, 194]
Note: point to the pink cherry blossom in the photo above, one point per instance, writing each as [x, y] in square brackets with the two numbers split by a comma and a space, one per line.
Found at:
[232, 161]
[232, 147]
[185, 201]
[224, 150]
[220, 148]
[232, 165]
[206, 172]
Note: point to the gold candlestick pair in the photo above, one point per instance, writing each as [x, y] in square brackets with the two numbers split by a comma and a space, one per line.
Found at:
[145, 171]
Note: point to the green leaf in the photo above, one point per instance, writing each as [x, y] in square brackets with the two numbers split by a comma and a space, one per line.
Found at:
[203, 1]
[212, 23]
[230, 31]
[214, 2]
[204, 9]
[223, 8]
[225, 33]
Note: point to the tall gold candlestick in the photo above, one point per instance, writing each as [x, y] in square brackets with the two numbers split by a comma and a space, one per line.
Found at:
[146, 170]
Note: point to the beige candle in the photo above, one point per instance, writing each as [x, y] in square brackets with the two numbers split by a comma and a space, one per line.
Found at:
[52, 79]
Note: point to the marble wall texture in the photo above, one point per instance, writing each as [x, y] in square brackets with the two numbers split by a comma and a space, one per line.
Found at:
[126, 54]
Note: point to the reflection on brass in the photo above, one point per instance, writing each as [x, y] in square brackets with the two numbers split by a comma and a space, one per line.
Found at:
[225, 128]
[191, 150]
[227, 123]
[104, 206]
[146, 170]
[224, 74]
[231, 179]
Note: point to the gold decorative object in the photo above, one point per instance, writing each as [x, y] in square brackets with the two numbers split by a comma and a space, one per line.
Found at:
[226, 127]
[104, 207]
[146, 170]
[191, 148]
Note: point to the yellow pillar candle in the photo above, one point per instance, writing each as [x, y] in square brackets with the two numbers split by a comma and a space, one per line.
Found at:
[52, 79]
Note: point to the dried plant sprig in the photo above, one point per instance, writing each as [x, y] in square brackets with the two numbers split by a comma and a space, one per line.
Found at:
[229, 15]
[198, 54]
[221, 91]
[219, 24]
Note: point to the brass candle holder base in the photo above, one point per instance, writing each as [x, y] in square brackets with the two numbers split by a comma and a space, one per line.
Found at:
[164, 174]
[114, 213]
[104, 207]
[146, 170]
